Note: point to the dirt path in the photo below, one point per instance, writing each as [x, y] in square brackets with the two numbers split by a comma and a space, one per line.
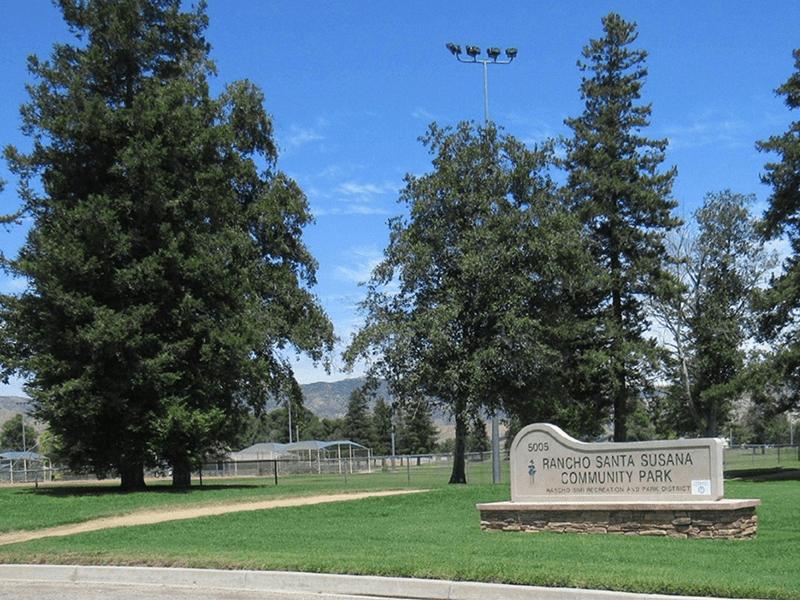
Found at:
[176, 514]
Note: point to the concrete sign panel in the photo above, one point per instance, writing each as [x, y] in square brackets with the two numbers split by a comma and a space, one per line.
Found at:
[547, 465]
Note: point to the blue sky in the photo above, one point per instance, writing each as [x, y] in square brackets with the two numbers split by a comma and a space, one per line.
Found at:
[352, 85]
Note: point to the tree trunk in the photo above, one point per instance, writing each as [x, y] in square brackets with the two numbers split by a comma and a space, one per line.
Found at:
[132, 477]
[181, 475]
[711, 421]
[618, 364]
[621, 412]
[459, 474]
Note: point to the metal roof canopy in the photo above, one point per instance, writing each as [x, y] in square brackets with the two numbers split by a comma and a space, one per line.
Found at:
[16, 455]
[274, 449]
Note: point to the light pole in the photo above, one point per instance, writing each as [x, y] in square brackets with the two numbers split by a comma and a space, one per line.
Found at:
[492, 58]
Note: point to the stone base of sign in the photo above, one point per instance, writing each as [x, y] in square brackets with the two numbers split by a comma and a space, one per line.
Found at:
[720, 519]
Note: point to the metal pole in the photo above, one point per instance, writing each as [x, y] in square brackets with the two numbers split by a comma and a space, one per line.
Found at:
[289, 405]
[486, 91]
[394, 454]
[493, 54]
[496, 477]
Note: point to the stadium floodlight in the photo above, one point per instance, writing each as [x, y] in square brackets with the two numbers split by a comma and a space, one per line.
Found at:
[454, 48]
[493, 54]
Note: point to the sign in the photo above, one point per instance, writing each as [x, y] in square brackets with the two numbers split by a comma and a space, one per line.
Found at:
[548, 465]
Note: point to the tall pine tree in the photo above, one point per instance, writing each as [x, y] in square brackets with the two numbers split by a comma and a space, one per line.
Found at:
[165, 261]
[624, 204]
[359, 425]
[384, 430]
[416, 431]
[782, 302]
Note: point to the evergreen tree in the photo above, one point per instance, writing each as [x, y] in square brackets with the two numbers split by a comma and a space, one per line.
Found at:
[324, 429]
[478, 440]
[52, 447]
[382, 418]
[359, 426]
[781, 304]
[16, 436]
[416, 432]
[303, 423]
[624, 204]
[165, 259]
[252, 430]
[766, 426]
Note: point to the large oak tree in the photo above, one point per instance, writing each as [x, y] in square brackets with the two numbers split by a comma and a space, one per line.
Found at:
[164, 265]
[470, 307]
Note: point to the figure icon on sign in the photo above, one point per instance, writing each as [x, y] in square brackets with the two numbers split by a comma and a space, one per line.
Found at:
[532, 471]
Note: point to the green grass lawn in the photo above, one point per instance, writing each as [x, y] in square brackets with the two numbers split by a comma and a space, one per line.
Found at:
[433, 535]
[28, 508]
[762, 458]
[48, 505]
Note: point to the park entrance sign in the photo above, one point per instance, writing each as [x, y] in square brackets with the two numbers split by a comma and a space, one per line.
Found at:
[548, 465]
[660, 488]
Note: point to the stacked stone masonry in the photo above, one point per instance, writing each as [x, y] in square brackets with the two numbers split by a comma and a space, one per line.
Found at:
[741, 523]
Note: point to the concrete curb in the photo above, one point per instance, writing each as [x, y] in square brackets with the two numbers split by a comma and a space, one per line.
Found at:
[391, 587]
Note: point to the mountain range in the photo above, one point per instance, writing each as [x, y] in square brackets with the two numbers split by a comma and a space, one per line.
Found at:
[326, 400]
[11, 406]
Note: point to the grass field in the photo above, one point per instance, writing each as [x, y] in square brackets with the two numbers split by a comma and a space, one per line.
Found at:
[432, 535]
[762, 457]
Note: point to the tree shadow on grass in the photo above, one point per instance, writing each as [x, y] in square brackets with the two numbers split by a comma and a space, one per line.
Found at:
[69, 491]
[771, 474]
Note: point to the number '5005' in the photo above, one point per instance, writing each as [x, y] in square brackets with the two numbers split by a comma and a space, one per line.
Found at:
[538, 447]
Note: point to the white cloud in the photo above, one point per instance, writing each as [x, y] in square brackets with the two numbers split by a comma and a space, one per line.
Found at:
[306, 371]
[727, 133]
[13, 285]
[421, 113]
[336, 171]
[733, 127]
[299, 136]
[351, 188]
[361, 262]
[534, 128]
[355, 198]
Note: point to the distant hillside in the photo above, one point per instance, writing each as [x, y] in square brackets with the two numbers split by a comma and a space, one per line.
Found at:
[329, 400]
[11, 406]
[326, 400]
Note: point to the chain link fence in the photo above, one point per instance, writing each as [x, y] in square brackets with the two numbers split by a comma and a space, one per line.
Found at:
[761, 457]
[410, 467]
[417, 470]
